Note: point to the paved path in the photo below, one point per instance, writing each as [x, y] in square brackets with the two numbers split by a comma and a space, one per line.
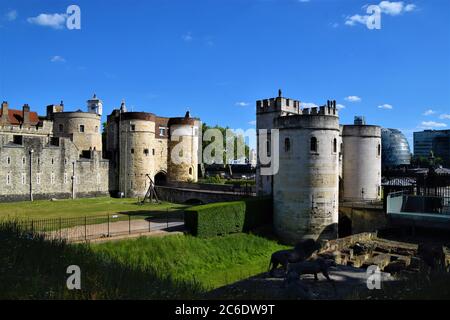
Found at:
[113, 229]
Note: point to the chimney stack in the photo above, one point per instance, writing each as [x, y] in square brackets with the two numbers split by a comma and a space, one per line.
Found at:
[26, 114]
[5, 118]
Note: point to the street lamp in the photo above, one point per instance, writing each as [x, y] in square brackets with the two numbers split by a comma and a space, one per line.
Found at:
[31, 179]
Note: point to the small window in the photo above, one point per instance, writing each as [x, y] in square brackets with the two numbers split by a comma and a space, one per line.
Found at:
[53, 161]
[162, 131]
[379, 150]
[190, 171]
[132, 150]
[81, 127]
[23, 161]
[61, 128]
[146, 152]
[24, 178]
[133, 127]
[313, 144]
[65, 161]
[38, 178]
[38, 161]
[96, 128]
[8, 160]
[8, 179]
[17, 139]
[334, 145]
[153, 151]
[287, 145]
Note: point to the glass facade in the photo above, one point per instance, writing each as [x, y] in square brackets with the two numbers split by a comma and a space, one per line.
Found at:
[395, 148]
[436, 140]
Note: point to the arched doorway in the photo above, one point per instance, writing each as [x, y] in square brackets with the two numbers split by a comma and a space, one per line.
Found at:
[160, 178]
[345, 226]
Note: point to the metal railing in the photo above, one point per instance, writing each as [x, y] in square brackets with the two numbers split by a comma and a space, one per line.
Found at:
[86, 228]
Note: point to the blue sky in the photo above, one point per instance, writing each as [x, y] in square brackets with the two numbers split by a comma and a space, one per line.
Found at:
[217, 57]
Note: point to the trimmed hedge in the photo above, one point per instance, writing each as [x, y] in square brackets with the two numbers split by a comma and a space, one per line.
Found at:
[222, 218]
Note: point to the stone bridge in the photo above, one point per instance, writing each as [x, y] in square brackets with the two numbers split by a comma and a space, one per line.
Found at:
[201, 193]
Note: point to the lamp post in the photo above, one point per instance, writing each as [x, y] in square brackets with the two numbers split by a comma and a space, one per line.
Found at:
[31, 177]
[73, 179]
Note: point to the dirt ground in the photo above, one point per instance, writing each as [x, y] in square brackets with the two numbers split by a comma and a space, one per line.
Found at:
[346, 282]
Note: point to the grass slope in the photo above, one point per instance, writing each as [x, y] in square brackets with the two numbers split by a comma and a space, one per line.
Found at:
[175, 267]
[212, 262]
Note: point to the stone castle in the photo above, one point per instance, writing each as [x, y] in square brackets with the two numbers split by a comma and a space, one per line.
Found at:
[60, 155]
[320, 164]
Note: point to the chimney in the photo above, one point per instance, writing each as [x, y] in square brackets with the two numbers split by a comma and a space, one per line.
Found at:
[26, 115]
[5, 118]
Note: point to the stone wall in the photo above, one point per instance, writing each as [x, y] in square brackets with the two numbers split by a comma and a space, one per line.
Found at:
[52, 168]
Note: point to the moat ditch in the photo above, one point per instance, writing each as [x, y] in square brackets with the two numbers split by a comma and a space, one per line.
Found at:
[396, 262]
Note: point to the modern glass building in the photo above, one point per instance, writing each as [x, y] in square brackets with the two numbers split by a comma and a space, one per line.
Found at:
[437, 141]
[395, 149]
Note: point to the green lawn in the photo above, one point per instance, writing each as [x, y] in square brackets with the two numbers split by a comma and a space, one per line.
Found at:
[212, 262]
[45, 209]
[173, 267]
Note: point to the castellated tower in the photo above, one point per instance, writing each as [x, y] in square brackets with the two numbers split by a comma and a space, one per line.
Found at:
[95, 105]
[266, 112]
[305, 190]
[361, 165]
[140, 145]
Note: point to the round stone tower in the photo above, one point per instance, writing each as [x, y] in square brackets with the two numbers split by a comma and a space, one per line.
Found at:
[137, 141]
[183, 149]
[305, 190]
[82, 128]
[361, 162]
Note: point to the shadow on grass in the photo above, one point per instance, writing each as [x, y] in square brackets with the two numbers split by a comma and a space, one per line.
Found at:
[32, 267]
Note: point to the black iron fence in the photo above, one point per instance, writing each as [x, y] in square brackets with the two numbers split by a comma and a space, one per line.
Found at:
[100, 226]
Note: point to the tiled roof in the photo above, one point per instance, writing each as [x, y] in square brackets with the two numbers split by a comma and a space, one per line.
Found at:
[16, 117]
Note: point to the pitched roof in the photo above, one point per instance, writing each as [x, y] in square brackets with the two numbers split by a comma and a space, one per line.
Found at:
[15, 117]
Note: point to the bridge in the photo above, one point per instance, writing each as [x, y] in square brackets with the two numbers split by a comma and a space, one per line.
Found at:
[405, 209]
[196, 193]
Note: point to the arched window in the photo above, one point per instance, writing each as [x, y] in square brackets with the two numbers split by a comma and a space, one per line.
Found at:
[334, 145]
[314, 144]
[287, 145]
[190, 171]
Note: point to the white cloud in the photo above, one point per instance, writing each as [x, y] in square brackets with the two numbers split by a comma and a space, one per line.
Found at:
[11, 15]
[309, 105]
[386, 106]
[353, 99]
[391, 8]
[340, 106]
[429, 112]
[432, 124]
[352, 20]
[57, 59]
[242, 104]
[55, 20]
[187, 37]
[444, 116]
[253, 123]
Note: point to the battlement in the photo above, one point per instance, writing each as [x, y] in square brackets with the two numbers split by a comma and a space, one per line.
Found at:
[326, 110]
[277, 104]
